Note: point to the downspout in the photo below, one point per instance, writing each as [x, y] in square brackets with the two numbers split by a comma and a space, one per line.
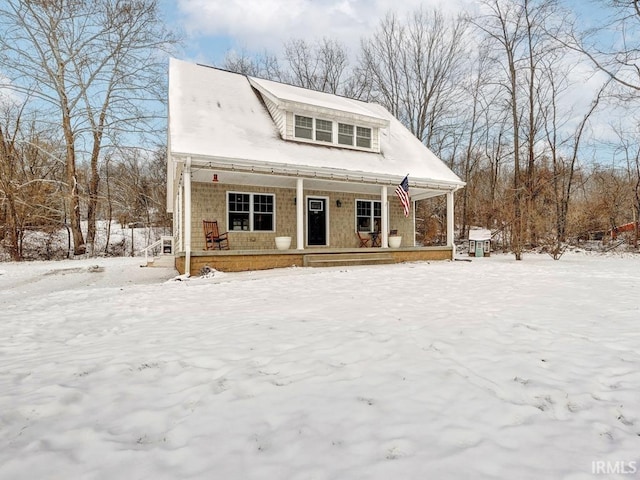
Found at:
[450, 224]
[299, 215]
[180, 218]
[384, 201]
[187, 217]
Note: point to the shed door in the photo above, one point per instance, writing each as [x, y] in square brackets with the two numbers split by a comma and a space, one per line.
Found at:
[479, 249]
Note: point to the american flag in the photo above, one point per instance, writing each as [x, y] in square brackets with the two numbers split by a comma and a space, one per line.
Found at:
[402, 191]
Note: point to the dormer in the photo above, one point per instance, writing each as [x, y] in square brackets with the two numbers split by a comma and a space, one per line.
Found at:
[319, 118]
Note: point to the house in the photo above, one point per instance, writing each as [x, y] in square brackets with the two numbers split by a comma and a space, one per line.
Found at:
[268, 160]
[479, 242]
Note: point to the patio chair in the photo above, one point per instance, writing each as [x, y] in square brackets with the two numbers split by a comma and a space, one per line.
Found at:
[364, 240]
[213, 239]
[376, 239]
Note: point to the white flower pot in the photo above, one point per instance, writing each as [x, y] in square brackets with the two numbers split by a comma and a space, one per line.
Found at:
[394, 241]
[283, 243]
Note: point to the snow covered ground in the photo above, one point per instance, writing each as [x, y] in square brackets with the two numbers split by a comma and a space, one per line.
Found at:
[490, 369]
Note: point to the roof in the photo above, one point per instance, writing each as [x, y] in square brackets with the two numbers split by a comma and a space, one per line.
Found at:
[217, 114]
[479, 234]
[289, 96]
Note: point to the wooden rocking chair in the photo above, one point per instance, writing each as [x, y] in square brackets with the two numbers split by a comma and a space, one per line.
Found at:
[213, 239]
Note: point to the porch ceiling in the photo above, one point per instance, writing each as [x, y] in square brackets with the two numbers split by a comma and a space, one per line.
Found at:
[362, 186]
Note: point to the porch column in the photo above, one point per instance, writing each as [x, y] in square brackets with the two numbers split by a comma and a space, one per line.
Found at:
[384, 202]
[450, 225]
[187, 216]
[299, 215]
[177, 220]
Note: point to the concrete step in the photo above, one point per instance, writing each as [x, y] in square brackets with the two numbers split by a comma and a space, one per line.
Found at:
[162, 261]
[346, 259]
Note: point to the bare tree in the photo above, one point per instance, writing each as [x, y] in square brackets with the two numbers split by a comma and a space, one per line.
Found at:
[415, 70]
[97, 67]
[476, 126]
[620, 57]
[564, 143]
[263, 65]
[30, 181]
[503, 23]
[629, 147]
[518, 30]
[322, 66]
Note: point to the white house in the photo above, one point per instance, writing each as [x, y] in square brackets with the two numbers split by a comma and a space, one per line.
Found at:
[266, 160]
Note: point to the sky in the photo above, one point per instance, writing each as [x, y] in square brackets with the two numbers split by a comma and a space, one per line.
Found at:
[451, 370]
[214, 27]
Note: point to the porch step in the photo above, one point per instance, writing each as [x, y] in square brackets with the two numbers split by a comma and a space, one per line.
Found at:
[346, 259]
[162, 261]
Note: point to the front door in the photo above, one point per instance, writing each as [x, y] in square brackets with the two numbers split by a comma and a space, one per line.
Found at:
[316, 221]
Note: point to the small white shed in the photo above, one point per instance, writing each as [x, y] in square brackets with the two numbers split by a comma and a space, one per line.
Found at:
[479, 243]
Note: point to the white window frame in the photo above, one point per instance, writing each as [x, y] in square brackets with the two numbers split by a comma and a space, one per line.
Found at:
[334, 133]
[369, 139]
[311, 129]
[252, 212]
[317, 130]
[372, 218]
[351, 135]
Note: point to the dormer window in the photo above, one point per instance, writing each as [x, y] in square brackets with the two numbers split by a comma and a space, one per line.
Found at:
[332, 132]
[304, 127]
[363, 137]
[345, 134]
[324, 130]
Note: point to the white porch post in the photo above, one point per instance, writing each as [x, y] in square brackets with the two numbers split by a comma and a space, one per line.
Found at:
[384, 202]
[187, 216]
[299, 215]
[450, 225]
[177, 219]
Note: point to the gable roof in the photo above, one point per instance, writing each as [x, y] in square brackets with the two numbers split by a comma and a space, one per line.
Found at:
[289, 97]
[216, 114]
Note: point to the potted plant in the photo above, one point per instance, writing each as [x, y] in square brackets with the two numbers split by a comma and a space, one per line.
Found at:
[283, 243]
[394, 239]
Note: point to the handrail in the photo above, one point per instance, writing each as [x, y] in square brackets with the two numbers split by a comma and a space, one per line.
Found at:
[150, 247]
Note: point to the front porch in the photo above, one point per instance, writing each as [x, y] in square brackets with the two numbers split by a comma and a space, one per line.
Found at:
[244, 260]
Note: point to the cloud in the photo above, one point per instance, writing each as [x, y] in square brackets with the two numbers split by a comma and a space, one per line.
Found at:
[266, 24]
[9, 96]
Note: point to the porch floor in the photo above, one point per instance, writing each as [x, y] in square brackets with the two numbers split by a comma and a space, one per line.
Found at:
[244, 260]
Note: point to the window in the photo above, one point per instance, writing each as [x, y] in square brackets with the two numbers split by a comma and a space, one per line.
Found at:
[318, 130]
[251, 211]
[363, 137]
[368, 215]
[345, 134]
[324, 131]
[239, 211]
[263, 212]
[304, 127]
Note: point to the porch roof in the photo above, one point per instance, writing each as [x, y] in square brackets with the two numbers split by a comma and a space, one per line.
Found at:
[219, 120]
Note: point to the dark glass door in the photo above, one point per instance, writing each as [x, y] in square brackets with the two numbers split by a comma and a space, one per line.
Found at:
[316, 221]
